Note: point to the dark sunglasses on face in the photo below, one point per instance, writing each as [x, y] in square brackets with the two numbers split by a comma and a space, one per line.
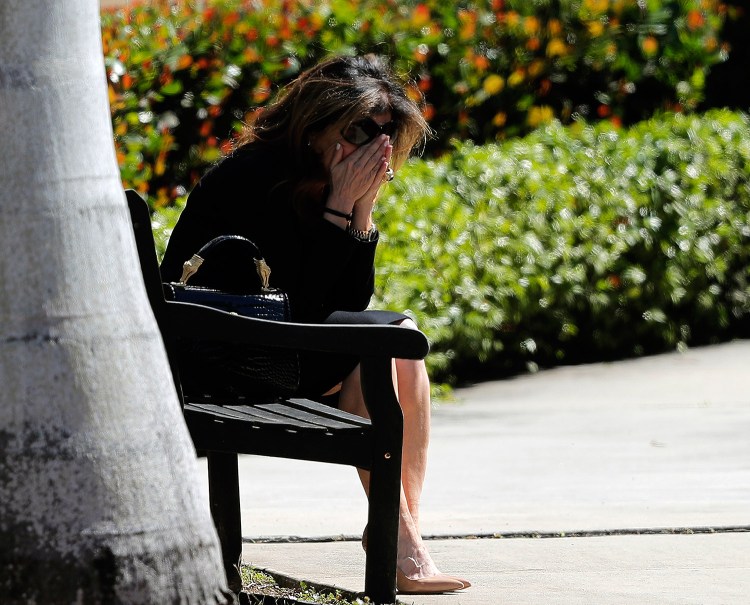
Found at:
[362, 132]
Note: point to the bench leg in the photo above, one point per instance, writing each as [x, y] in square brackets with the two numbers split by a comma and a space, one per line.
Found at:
[224, 495]
[385, 481]
[382, 534]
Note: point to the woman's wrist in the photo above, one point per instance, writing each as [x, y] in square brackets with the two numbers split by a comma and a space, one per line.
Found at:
[361, 218]
[347, 216]
[338, 212]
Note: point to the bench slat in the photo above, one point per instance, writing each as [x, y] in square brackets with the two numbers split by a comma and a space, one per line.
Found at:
[329, 412]
[252, 415]
[305, 416]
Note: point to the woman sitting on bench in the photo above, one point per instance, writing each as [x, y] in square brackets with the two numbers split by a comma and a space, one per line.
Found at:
[302, 184]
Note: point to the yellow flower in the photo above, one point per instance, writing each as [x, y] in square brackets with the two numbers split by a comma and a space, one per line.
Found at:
[493, 84]
[516, 77]
[596, 28]
[556, 48]
[597, 6]
[540, 115]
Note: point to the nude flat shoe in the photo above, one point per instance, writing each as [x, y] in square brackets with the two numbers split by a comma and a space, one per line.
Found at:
[407, 584]
[431, 585]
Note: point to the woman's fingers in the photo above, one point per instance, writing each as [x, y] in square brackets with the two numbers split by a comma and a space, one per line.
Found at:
[372, 154]
[357, 170]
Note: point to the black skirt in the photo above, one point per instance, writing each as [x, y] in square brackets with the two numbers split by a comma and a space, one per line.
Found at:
[320, 372]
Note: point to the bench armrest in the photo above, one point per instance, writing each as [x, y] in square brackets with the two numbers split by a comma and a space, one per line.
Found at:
[198, 321]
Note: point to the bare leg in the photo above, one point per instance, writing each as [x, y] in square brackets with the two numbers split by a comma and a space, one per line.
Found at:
[413, 389]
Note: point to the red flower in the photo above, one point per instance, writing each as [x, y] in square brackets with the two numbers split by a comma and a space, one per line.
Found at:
[695, 20]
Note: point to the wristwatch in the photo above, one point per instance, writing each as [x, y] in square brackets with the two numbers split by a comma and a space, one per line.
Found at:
[363, 236]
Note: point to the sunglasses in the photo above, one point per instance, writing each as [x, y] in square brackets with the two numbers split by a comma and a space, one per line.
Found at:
[362, 132]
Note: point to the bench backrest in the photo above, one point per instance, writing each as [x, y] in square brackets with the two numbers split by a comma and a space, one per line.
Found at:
[140, 216]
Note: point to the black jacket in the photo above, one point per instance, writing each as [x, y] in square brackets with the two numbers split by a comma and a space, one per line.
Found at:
[320, 266]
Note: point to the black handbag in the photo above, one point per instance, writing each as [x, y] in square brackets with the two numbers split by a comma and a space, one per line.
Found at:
[229, 273]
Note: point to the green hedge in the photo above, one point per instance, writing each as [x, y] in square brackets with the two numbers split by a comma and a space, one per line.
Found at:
[182, 81]
[573, 244]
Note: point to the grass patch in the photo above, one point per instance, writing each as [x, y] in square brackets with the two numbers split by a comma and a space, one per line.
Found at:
[262, 588]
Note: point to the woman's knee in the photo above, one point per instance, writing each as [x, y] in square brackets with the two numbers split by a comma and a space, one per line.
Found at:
[408, 323]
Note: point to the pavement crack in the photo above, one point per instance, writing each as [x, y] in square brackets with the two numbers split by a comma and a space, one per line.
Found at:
[531, 535]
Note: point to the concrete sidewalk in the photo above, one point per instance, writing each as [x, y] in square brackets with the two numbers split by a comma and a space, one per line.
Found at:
[646, 462]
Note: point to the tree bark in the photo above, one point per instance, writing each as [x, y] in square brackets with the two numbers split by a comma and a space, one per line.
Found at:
[100, 500]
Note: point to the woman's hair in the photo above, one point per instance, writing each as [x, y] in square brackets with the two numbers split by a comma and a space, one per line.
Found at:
[336, 91]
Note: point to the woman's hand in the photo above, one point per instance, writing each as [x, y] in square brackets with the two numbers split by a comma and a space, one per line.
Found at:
[356, 177]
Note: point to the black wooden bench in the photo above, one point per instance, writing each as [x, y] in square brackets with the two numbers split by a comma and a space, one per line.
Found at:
[291, 428]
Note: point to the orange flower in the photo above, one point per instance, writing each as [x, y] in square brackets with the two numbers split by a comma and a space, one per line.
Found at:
[533, 44]
[251, 55]
[536, 67]
[421, 15]
[554, 27]
[481, 62]
[428, 112]
[695, 20]
[650, 45]
[468, 21]
[531, 25]
[231, 18]
[500, 119]
[512, 18]
[184, 62]
[603, 111]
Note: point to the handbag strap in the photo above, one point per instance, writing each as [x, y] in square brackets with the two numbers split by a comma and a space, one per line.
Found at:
[191, 266]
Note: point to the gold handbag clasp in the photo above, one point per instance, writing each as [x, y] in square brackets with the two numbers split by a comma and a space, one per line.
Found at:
[189, 267]
[264, 272]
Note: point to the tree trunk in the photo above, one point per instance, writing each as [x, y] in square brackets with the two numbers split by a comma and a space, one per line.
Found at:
[99, 496]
